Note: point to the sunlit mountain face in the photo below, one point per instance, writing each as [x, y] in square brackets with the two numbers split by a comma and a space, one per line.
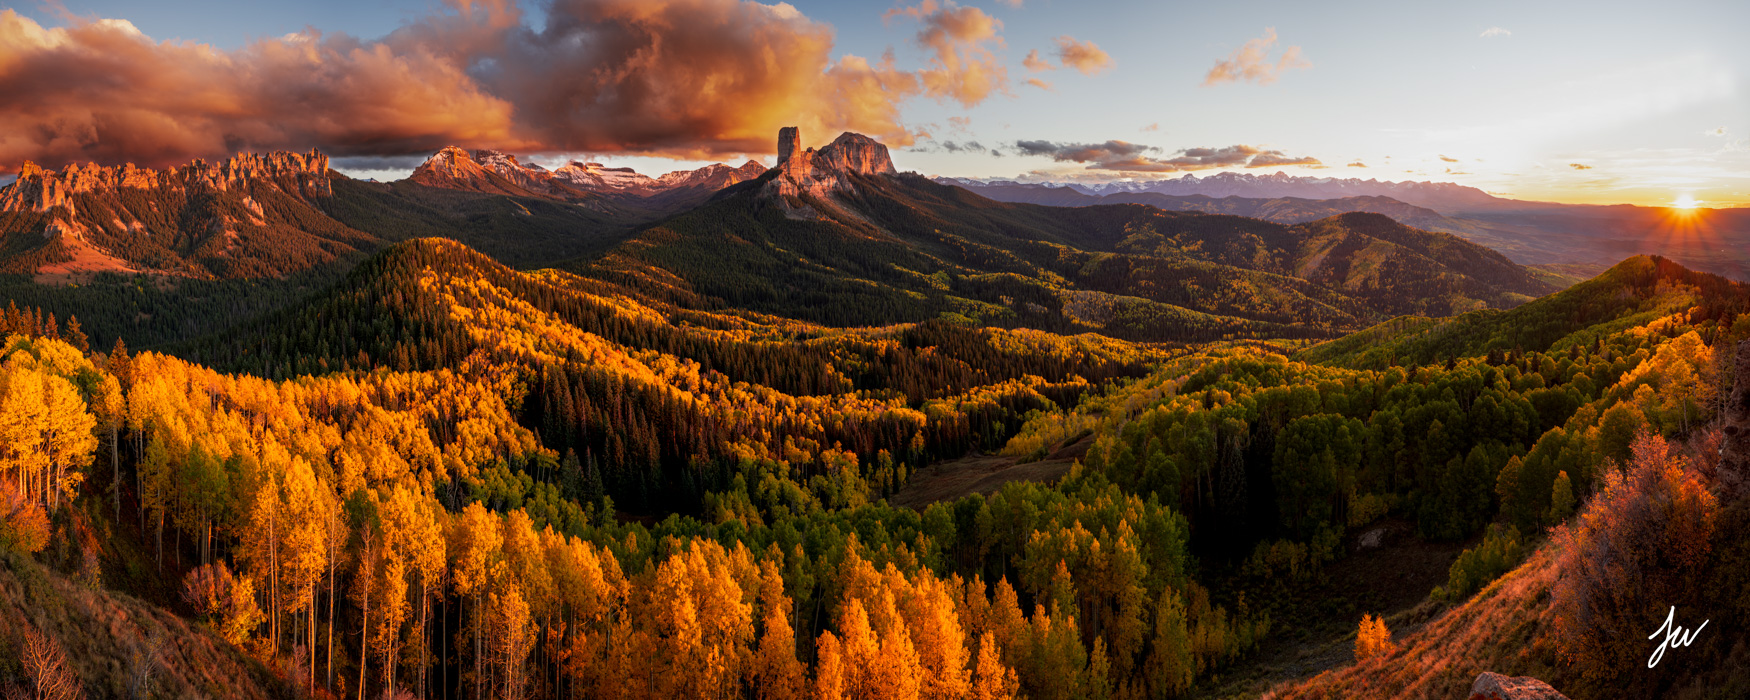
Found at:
[942, 349]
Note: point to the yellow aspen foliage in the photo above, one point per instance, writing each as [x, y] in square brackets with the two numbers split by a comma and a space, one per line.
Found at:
[513, 638]
[829, 668]
[777, 673]
[1372, 639]
[991, 679]
[1171, 666]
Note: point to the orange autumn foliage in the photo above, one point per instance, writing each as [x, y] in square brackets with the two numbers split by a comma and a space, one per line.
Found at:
[1372, 639]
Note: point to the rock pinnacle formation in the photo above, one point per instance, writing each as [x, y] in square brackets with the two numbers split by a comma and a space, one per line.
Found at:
[820, 174]
[789, 138]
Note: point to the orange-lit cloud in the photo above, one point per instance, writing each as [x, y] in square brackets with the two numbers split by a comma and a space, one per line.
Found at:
[1036, 64]
[1447, 159]
[1133, 157]
[962, 67]
[1156, 126]
[693, 78]
[101, 90]
[1251, 62]
[1041, 84]
[1084, 56]
[1579, 166]
[1357, 164]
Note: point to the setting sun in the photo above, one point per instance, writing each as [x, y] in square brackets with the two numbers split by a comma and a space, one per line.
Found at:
[1685, 202]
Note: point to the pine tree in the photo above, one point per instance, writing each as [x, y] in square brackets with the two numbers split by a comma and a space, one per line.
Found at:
[1561, 500]
[76, 336]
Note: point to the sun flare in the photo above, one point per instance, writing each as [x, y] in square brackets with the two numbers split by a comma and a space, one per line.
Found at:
[1685, 202]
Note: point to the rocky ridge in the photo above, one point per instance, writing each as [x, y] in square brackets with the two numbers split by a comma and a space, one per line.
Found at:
[498, 172]
[248, 215]
[41, 190]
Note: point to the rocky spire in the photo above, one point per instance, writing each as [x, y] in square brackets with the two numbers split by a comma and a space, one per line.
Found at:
[789, 139]
[820, 174]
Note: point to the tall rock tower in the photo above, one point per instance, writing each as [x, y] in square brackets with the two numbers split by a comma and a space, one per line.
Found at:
[789, 138]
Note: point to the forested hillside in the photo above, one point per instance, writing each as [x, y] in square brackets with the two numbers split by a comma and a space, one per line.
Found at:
[447, 476]
[902, 248]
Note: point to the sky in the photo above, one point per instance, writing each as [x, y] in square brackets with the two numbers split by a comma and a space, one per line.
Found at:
[1594, 102]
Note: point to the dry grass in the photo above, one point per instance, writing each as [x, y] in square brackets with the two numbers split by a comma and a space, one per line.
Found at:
[1501, 629]
[108, 638]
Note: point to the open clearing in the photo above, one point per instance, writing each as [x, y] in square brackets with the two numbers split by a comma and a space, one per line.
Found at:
[984, 474]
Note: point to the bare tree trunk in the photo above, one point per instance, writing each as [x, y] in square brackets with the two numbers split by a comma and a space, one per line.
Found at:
[478, 670]
[331, 585]
[115, 460]
[366, 554]
[424, 637]
[273, 555]
[312, 654]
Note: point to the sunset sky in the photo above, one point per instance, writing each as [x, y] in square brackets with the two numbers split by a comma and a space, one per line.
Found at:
[1575, 102]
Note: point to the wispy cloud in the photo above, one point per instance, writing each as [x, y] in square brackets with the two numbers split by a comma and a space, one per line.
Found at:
[1357, 164]
[1579, 166]
[1152, 127]
[1449, 160]
[1252, 63]
[1041, 84]
[1493, 32]
[1716, 131]
[1135, 157]
[1084, 56]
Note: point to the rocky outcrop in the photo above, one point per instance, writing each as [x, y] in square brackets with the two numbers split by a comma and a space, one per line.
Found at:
[855, 153]
[41, 190]
[713, 177]
[1494, 686]
[823, 173]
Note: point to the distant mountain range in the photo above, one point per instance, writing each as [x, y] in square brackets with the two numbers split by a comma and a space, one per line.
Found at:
[1531, 233]
[496, 172]
[1445, 197]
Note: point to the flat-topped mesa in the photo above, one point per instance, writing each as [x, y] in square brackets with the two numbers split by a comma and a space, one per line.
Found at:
[856, 153]
[39, 189]
[823, 172]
